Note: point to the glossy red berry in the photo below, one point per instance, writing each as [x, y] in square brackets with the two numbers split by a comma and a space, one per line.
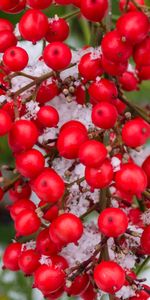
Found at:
[133, 26]
[38, 4]
[21, 4]
[89, 293]
[7, 39]
[90, 67]
[30, 163]
[5, 122]
[56, 295]
[128, 178]
[29, 261]
[7, 4]
[145, 240]
[27, 222]
[1, 194]
[103, 90]
[49, 279]
[33, 25]
[143, 72]
[11, 256]
[80, 95]
[48, 116]
[142, 295]
[109, 277]
[135, 132]
[63, 2]
[115, 48]
[57, 56]
[20, 190]
[141, 53]
[46, 92]
[112, 68]
[51, 213]
[67, 228]
[15, 59]
[146, 168]
[104, 115]
[60, 262]
[19, 206]
[44, 244]
[74, 123]
[94, 10]
[100, 177]
[58, 30]
[5, 25]
[79, 285]
[92, 153]
[69, 141]
[112, 222]
[48, 186]
[131, 6]
[128, 81]
[23, 135]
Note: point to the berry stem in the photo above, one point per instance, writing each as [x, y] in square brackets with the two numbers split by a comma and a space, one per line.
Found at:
[71, 14]
[91, 209]
[7, 187]
[141, 267]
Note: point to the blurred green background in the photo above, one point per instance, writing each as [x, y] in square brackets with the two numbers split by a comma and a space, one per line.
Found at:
[15, 286]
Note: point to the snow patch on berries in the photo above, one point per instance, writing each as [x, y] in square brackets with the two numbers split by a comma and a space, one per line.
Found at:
[45, 260]
[125, 293]
[31, 245]
[96, 53]
[116, 162]
[32, 108]
[78, 253]
[146, 217]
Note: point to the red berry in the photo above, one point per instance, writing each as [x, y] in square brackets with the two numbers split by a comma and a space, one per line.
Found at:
[141, 53]
[115, 48]
[144, 72]
[19, 206]
[30, 163]
[90, 67]
[142, 295]
[29, 261]
[146, 168]
[60, 262]
[56, 295]
[46, 92]
[15, 59]
[92, 153]
[135, 133]
[128, 81]
[112, 222]
[89, 293]
[33, 25]
[23, 135]
[57, 56]
[69, 141]
[37, 4]
[17, 8]
[80, 95]
[49, 279]
[51, 213]
[48, 186]
[48, 116]
[78, 286]
[94, 10]
[67, 228]
[145, 240]
[11, 256]
[58, 30]
[1, 194]
[109, 277]
[76, 3]
[5, 25]
[103, 90]
[100, 177]
[5, 122]
[131, 6]
[133, 26]
[112, 68]
[128, 178]
[27, 222]
[7, 4]
[74, 123]
[104, 115]
[63, 2]
[7, 39]
[119, 105]
[20, 190]
[44, 244]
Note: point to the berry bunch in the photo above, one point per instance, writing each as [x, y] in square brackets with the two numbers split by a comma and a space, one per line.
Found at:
[74, 136]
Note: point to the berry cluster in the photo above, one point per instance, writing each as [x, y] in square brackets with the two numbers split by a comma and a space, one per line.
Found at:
[74, 135]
